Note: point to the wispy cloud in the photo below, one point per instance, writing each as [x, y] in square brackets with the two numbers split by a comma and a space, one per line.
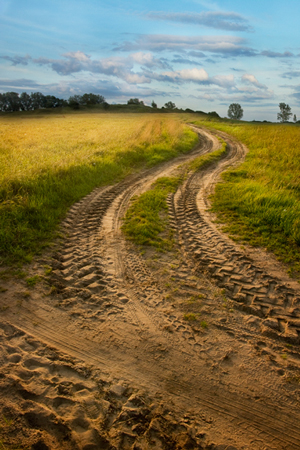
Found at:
[15, 60]
[180, 60]
[292, 74]
[229, 21]
[271, 54]
[21, 84]
[222, 45]
[196, 54]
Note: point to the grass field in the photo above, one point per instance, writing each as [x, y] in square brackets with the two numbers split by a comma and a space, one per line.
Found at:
[260, 201]
[49, 162]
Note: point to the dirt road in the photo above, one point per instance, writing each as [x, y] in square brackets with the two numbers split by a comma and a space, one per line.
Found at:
[195, 348]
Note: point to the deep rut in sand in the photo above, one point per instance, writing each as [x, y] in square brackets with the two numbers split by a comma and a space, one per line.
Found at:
[152, 376]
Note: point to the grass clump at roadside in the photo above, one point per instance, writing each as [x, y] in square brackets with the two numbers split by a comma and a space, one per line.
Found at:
[47, 163]
[146, 218]
[260, 200]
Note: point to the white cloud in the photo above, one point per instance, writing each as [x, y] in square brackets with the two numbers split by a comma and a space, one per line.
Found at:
[197, 75]
[148, 60]
[80, 56]
[250, 79]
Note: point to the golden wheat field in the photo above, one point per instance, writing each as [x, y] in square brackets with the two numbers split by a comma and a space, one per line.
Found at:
[49, 162]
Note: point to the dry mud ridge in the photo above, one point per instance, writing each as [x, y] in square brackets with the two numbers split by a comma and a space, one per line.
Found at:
[195, 348]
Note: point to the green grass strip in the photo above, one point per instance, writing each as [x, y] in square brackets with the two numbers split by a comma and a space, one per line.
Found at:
[146, 220]
[205, 160]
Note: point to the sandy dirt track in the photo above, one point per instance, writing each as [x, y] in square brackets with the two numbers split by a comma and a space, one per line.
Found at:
[99, 355]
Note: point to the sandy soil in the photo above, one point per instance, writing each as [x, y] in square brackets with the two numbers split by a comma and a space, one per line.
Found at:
[118, 348]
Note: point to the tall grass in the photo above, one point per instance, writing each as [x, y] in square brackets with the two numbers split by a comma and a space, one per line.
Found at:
[260, 199]
[48, 163]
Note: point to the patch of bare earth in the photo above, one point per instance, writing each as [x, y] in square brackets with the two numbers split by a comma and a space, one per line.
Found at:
[196, 348]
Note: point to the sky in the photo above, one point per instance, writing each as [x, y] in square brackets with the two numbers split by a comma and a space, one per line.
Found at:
[199, 54]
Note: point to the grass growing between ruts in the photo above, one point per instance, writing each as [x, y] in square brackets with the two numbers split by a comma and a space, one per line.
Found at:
[48, 163]
[146, 221]
[260, 200]
[202, 161]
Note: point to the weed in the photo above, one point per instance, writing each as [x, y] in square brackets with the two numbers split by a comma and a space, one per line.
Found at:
[192, 299]
[190, 317]
[52, 290]
[48, 270]
[2, 446]
[7, 422]
[2, 289]
[20, 274]
[5, 274]
[31, 281]
[203, 324]
[225, 302]
[293, 379]
[284, 356]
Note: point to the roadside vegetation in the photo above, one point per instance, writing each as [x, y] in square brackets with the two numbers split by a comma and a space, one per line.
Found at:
[49, 162]
[260, 200]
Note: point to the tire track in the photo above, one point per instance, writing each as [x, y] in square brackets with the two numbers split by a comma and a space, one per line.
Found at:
[249, 285]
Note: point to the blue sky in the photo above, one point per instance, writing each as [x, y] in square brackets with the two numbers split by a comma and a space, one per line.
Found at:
[202, 55]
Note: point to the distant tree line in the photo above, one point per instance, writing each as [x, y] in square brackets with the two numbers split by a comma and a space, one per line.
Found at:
[86, 99]
[135, 101]
[12, 101]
